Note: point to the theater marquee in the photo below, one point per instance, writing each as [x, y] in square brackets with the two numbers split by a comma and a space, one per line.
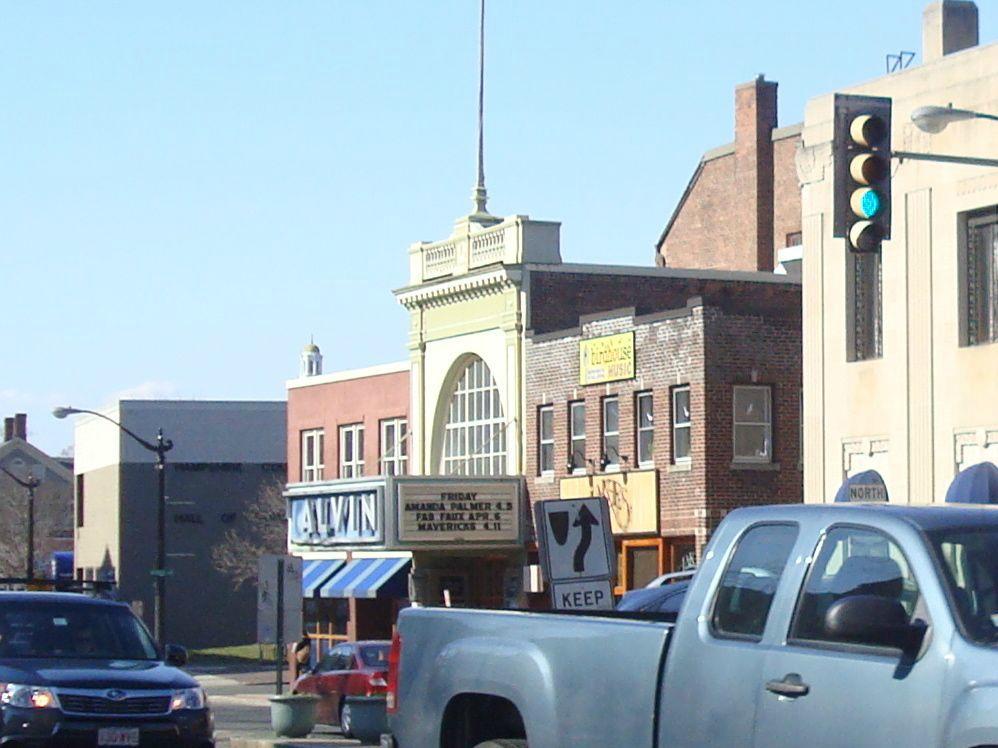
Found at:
[451, 511]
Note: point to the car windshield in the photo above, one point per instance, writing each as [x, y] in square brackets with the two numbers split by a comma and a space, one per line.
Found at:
[970, 558]
[375, 655]
[72, 631]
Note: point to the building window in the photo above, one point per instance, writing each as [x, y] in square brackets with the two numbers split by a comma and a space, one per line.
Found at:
[312, 450]
[980, 269]
[394, 449]
[866, 326]
[577, 437]
[682, 424]
[794, 239]
[545, 439]
[753, 424]
[79, 500]
[352, 450]
[475, 433]
[644, 407]
[611, 433]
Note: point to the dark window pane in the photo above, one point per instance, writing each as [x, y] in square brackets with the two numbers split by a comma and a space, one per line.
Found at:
[745, 595]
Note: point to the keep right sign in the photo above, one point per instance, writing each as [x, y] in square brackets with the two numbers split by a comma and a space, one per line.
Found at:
[577, 552]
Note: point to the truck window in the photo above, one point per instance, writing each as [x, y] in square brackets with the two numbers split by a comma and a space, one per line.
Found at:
[746, 592]
[852, 561]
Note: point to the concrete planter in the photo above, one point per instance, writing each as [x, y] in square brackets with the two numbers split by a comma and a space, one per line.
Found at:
[368, 718]
[293, 715]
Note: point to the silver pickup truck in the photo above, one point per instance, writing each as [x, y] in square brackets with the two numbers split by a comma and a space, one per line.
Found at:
[837, 625]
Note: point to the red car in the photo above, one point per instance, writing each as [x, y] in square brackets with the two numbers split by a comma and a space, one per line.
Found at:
[350, 669]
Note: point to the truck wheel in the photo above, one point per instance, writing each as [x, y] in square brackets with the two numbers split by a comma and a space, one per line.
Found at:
[346, 721]
[503, 743]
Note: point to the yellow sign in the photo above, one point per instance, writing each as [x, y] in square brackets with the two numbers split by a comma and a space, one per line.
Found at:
[606, 359]
[633, 498]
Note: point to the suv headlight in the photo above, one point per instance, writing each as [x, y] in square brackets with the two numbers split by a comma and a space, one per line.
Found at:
[27, 697]
[188, 698]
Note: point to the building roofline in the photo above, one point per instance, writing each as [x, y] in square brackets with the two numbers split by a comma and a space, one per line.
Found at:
[347, 375]
[50, 463]
[789, 131]
[743, 276]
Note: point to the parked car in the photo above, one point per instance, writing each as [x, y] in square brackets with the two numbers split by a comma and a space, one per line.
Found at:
[828, 625]
[76, 670]
[664, 594]
[349, 669]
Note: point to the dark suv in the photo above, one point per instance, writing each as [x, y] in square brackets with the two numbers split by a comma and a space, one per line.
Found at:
[79, 671]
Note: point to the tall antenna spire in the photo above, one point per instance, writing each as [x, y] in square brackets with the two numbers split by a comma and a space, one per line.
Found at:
[479, 196]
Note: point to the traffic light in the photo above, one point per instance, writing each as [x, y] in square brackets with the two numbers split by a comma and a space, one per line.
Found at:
[862, 157]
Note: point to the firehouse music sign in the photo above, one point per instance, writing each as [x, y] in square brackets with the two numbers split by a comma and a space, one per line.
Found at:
[458, 512]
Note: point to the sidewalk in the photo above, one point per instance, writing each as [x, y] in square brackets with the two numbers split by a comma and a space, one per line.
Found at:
[239, 699]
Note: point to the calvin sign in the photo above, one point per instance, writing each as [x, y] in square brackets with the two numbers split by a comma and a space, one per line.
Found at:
[577, 552]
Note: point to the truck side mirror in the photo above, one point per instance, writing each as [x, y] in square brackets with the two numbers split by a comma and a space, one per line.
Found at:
[873, 620]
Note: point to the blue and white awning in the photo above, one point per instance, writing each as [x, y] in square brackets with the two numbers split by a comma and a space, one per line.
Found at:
[316, 572]
[369, 578]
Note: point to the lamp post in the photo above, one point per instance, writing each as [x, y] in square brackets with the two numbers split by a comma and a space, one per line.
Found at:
[160, 447]
[30, 483]
[933, 119]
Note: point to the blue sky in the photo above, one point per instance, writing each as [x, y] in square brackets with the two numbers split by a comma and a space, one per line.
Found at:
[189, 190]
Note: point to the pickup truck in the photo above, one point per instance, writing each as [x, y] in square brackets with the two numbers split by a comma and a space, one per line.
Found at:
[816, 625]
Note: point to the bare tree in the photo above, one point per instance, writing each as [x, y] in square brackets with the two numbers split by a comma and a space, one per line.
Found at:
[261, 529]
[53, 520]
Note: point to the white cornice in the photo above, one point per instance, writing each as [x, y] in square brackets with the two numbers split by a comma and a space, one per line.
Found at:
[462, 288]
[395, 367]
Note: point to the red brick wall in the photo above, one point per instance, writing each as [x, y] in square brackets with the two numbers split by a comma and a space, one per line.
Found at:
[559, 298]
[742, 204]
[710, 349]
[786, 191]
[365, 400]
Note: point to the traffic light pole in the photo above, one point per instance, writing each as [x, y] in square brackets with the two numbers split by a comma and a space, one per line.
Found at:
[901, 156]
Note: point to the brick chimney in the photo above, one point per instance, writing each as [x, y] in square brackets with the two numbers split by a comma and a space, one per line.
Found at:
[755, 119]
[947, 27]
[21, 426]
[8, 429]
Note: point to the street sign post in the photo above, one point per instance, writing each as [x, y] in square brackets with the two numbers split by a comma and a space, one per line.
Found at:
[577, 553]
[279, 606]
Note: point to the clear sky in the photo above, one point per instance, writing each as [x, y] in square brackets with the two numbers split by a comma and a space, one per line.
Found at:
[190, 190]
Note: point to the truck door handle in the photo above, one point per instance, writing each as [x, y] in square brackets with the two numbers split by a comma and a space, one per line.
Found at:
[792, 685]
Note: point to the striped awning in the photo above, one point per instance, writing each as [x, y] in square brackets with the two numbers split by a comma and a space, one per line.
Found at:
[316, 572]
[369, 578]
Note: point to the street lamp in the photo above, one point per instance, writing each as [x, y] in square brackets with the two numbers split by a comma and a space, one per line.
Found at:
[30, 483]
[934, 119]
[161, 447]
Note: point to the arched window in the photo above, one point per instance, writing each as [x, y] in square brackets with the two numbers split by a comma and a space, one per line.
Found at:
[475, 434]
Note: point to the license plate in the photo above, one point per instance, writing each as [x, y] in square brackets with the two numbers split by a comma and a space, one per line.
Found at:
[118, 736]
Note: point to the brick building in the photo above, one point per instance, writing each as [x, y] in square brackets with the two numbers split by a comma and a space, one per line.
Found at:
[346, 433]
[741, 209]
[677, 410]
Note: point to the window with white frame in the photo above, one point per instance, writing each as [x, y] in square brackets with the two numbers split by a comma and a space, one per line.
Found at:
[682, 424]
[352, 450]
[753, 423]
[611, 433]
[545, 440]
[312, 455]
[394, 452]
[475, 431]
[980, 270]
[644, 408]
[577, 437]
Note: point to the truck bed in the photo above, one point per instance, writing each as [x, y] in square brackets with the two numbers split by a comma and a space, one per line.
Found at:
[576, 679]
